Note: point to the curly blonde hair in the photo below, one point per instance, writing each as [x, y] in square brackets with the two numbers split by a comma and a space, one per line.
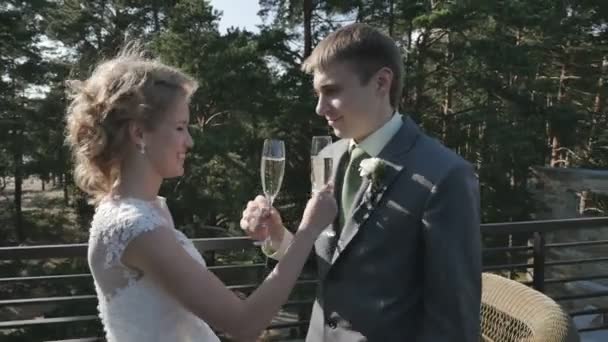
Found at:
[129, 87]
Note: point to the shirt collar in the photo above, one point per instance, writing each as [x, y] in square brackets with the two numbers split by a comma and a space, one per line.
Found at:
[375, 142]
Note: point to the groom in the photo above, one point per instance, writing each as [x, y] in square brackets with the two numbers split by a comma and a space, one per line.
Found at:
[402, 261]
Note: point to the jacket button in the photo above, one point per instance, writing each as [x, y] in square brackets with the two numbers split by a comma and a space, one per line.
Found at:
[332, 323]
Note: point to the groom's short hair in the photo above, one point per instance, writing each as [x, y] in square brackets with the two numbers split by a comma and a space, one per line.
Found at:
[366, 49]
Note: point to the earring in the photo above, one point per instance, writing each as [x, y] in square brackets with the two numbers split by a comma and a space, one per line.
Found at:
[142, 148]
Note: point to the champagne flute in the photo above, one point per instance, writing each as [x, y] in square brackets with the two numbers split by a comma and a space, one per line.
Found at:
[272, 170]
[320, 165]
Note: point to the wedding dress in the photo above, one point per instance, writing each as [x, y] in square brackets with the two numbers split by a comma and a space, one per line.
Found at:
[131, 306]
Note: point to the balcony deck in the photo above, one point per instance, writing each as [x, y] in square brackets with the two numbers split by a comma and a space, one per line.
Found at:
[61, 306]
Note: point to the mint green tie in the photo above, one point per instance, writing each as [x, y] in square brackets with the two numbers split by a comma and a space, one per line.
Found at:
[352, 182]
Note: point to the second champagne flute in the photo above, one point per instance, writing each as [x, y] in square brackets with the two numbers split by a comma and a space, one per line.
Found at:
[320, 165]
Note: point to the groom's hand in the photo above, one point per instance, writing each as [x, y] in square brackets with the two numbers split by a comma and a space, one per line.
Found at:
[259, 220]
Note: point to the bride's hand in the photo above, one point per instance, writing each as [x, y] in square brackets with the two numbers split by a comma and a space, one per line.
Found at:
[260, 221]
[320, 210]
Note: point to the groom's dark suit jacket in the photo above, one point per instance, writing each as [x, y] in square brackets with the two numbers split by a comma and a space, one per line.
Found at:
[407, 267]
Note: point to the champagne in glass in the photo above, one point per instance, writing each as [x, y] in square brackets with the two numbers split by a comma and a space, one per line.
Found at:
[321, 165]
[272, 169]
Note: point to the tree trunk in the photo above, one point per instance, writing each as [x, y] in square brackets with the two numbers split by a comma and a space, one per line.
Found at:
[18, 162]
[598, 106]
[420, 80]
[308, 8]
[599, 96]
[406, 100]
[98, 34]
[555, 143]
[583, 201]
[66, 197]
[561, 91]
[447, 100]
[555, 155]
[391, 18]
[155, 15]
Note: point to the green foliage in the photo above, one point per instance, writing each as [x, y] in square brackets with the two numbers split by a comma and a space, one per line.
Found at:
[497, 81]
[508, 84]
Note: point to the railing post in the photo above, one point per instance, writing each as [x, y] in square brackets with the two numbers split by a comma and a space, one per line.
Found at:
[211, 260]
[539, 262]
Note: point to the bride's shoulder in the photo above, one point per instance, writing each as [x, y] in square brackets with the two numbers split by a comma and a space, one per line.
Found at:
[114, 215]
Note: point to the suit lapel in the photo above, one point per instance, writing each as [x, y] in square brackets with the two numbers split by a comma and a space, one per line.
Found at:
[393, 156]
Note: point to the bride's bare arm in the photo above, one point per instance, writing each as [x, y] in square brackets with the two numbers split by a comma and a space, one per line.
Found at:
[160, 256]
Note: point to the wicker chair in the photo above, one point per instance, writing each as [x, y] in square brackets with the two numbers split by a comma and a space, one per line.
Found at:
[513, 312]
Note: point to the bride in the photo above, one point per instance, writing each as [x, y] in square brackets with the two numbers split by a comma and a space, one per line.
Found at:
[127, 126]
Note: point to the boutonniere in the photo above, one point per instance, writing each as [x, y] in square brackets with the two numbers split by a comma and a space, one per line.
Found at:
[373, 169]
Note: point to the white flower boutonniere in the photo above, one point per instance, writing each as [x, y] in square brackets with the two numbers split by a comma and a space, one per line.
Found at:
[372, 169]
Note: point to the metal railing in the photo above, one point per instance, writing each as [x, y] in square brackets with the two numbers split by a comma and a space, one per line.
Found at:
[242, 278]
[531, 259]
[537, 262]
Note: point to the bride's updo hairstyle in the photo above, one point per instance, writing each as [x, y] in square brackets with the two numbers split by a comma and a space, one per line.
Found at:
[129, 87]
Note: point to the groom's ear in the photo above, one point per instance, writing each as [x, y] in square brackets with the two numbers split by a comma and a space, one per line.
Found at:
[383, 80]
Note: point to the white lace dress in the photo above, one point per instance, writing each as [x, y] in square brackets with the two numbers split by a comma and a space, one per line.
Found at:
[131, 306]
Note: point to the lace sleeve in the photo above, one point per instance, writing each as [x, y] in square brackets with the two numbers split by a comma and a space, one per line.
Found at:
[128, 221]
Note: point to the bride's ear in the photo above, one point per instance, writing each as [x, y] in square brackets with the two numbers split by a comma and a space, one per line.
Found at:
[136, 134]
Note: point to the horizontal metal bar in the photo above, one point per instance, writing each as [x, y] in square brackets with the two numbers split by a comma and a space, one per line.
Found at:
[253, 286]
[520, 249]
[72, 319]
[80, 250]
[42, 300]
[44, 252]
[577, 244]
[581, 296]
[549, 263]
[230, 243]
[506, 267]
[588, 312]
[60, 320]
[573, 279]
[29, 301]
[311, 281]
[507, 249]
[45, 278]
[88, 275]
[85, 339]
[576, 261]
[222, 244]
[544, 226]
[42, 321]
[595, 328]
[231, 267]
